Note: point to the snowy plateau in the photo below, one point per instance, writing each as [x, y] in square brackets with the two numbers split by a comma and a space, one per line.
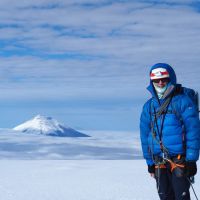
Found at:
[108, 165]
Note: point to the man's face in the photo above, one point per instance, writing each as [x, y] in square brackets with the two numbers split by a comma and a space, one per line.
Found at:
[161, 82]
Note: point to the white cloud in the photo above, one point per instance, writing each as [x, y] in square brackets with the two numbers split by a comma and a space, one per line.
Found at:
[104, 49]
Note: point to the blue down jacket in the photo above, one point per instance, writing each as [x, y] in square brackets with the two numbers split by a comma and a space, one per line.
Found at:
[173, 133]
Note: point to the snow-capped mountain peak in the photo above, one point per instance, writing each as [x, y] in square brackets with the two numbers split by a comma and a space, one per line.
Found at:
[47, 126]
[42, 123]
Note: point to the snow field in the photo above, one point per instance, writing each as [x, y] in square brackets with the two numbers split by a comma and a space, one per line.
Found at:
[78, 180]
[75, 180]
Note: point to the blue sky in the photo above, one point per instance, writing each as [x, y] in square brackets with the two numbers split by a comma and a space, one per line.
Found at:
[86, 62]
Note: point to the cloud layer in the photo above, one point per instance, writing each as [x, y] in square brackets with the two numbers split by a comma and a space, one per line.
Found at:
[94, 46]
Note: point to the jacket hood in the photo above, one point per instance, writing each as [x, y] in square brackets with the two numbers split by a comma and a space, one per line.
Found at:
[171, 72]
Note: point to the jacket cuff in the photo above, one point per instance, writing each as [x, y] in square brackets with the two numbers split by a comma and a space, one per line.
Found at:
[192, 155]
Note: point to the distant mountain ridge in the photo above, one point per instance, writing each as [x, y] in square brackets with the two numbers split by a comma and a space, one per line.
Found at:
[47, 126]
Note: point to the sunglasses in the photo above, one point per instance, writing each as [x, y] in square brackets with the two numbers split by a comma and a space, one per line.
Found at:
[164, 80]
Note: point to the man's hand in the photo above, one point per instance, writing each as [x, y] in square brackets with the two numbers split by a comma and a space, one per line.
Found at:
[151, 170]
[191, 168]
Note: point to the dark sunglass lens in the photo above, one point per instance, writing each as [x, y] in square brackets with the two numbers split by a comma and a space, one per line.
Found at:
[164, 80]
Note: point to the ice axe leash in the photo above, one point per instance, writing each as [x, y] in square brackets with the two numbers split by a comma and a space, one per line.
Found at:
[192, 188]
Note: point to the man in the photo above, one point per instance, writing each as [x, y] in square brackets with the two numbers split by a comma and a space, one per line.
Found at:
[170, 134]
